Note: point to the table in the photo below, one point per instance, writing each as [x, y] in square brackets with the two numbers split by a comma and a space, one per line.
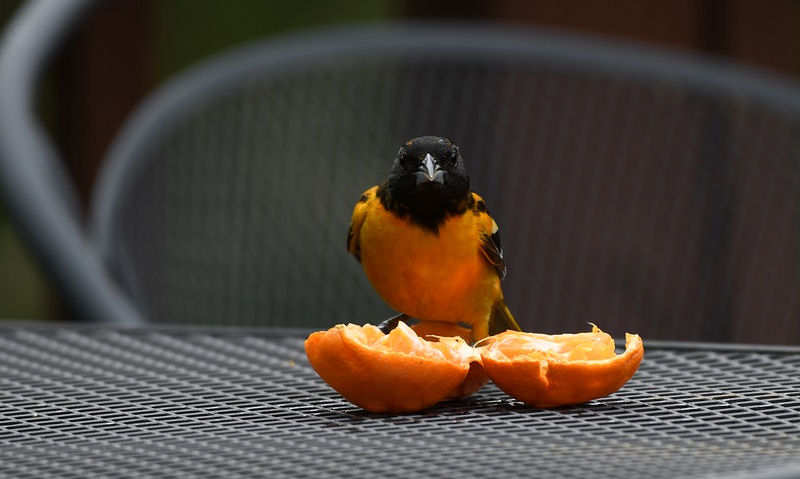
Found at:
[80, 401]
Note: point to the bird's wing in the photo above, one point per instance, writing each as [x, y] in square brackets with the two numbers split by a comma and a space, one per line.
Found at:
[359, 213]
[491, 247]
[493, 251]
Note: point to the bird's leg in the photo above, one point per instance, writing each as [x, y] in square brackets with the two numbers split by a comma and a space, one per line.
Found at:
[391, 323]
[480, 331]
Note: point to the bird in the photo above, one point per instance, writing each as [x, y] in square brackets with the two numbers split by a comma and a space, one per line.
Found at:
[428, 245]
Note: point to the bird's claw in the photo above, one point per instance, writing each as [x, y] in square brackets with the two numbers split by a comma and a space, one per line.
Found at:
[387, 326]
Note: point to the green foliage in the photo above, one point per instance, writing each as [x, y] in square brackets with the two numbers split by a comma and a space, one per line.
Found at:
[23, 291]
[189, 30]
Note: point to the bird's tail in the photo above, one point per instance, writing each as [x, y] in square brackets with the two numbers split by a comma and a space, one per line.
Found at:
[501, 318]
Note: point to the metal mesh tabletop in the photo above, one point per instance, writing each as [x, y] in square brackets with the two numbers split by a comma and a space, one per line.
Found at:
[80, 402]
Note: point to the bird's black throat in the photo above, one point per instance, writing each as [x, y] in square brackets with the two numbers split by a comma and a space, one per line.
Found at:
[427, 205]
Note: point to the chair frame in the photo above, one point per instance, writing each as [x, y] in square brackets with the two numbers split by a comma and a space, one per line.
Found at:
[40, 197]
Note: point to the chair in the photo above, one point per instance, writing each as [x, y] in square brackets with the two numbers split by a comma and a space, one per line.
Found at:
[635, 188]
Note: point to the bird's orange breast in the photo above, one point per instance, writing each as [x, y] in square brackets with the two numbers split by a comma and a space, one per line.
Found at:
[429, 276]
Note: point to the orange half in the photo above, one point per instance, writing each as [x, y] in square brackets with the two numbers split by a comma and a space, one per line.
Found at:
[553, 370]
[395, 372]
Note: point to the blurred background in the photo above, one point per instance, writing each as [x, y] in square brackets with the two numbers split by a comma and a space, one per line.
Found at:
[130, 46]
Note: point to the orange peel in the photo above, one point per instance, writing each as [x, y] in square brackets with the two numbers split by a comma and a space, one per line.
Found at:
[554, 370]
[395, 372]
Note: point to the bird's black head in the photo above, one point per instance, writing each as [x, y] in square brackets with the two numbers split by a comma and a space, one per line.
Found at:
[428, 181]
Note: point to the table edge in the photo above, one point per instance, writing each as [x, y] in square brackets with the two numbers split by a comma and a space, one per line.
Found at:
[303, 332]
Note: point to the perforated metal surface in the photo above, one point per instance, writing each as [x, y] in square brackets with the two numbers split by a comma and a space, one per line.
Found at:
[173, 402]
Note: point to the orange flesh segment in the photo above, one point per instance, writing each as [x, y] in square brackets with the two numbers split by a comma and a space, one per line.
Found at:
[433, 329]
[514, 345]
[403, 339]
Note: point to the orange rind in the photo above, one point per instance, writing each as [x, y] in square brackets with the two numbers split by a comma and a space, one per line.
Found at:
[555, 370]
[395, 372]
[413, 368]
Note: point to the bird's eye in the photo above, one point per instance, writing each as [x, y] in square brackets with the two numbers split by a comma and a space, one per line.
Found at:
[406, 161]
[452, 159]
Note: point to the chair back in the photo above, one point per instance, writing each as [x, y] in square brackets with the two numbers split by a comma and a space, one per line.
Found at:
[639, 189]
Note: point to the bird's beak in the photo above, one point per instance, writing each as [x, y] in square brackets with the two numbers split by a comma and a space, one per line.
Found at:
[429, 171]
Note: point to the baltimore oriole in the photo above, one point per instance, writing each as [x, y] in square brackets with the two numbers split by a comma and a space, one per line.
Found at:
[427, 242]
